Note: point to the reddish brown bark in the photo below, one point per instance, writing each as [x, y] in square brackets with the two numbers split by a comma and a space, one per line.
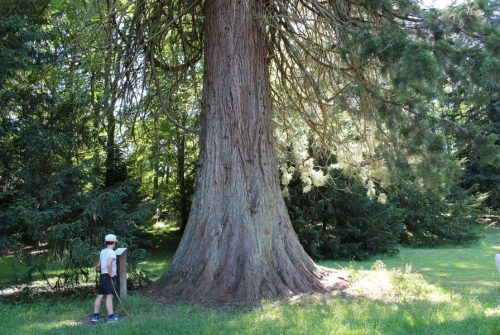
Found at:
[239, 244]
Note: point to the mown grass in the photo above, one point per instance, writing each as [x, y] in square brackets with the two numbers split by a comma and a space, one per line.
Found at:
[12, 270]
[448, 290]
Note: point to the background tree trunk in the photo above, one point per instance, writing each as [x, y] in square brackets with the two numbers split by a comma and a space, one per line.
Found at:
[156, 153]
[239, 244]
[183, 201]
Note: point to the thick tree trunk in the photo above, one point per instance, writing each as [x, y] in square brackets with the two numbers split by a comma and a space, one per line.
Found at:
[239, 244]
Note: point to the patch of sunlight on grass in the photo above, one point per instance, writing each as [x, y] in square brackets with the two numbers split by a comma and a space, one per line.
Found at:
[394, 285]
[163, 227]
[375, 285]
[492, 312]
[466, 265]
[48, 326]
[166, 226]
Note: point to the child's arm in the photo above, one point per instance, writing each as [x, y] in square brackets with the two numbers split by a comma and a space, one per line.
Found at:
[98, 266]
[110, 266]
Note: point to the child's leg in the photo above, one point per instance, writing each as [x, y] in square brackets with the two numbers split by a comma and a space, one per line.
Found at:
[97, 304]
[109, 304]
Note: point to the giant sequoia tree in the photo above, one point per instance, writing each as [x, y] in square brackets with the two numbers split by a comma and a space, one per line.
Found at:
[329, 57]
[239, 244]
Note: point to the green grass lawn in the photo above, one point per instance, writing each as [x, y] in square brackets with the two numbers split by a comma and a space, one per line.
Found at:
[447, 290]
[11, 269]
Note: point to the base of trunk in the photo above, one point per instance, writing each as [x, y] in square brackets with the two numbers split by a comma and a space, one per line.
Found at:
[327, 281]
[241, 251]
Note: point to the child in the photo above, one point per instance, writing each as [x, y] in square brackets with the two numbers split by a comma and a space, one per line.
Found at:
[107, 280]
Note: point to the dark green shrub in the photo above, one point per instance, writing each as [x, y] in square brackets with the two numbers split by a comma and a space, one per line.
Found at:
[432, 219]
[340, 221]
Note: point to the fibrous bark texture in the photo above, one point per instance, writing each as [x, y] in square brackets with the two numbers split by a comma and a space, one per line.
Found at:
[239, 244]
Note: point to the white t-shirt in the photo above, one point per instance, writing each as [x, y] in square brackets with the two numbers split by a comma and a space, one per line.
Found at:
[105, 254]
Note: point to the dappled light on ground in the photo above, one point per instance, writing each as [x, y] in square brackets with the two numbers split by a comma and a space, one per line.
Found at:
[165, 227]
[48, 325]
[492, 312]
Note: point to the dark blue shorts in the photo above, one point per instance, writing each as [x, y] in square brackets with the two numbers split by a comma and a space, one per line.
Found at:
[105, 284]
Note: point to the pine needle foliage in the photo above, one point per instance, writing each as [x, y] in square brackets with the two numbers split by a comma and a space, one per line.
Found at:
[339, 221]
[52, 192]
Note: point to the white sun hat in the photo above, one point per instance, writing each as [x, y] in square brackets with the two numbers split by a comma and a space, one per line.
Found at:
[110, 238]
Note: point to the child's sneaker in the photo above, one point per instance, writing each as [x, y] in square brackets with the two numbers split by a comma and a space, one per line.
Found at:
[115, 318]
[95, 318]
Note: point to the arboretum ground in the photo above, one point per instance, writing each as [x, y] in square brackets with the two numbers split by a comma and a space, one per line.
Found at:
[446, 290]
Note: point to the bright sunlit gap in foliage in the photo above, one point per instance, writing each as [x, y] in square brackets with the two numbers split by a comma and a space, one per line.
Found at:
[440, 4]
